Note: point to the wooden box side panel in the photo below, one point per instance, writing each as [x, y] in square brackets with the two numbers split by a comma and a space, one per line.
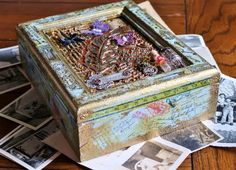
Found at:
[143, 122]
[61, 112]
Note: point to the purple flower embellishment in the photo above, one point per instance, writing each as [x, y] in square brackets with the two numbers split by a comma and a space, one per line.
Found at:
[124, 39]
[101, 26]
[98, 28]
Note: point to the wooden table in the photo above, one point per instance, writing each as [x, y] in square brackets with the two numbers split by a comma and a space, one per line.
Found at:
[215, 20]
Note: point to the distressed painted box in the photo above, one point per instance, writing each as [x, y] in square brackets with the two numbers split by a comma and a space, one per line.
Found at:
[114, 77]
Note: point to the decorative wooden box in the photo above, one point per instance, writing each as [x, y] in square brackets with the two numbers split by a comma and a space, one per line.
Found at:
[114, 77]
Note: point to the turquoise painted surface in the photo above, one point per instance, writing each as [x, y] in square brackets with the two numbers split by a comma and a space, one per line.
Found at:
[166, 113]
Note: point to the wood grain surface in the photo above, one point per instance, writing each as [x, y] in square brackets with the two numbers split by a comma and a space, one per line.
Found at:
[214, 19]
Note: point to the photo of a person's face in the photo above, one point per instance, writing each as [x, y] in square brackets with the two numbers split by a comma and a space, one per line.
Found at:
[222, 96]
[228, 101]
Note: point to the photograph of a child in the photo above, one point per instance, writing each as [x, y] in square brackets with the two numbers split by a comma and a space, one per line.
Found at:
[226, 104]
[224, 120]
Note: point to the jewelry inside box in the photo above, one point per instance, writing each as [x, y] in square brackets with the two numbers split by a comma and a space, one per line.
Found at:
[111, 52]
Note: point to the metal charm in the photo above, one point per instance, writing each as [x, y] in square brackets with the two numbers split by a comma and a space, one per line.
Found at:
[148, 69]
[97, 81]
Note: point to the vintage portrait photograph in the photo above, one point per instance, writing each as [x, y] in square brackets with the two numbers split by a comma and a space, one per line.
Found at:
[12, 78]
[26, 148]
[9, 56]
[28, 110]
[224, 120]
[226, 103]
[194, 137]
[155, 155]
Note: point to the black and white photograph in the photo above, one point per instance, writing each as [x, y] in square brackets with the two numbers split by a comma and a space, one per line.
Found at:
[26, 148]
[12, 78]
[9, 56]
[226, 103]
[192, 40]
[224, 121]
[229, 138]
[194, 137]
[226, 131]
[28, 110]
[156, 154]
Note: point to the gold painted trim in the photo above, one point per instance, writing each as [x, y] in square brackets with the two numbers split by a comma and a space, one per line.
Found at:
[113, 12]
[140, 93]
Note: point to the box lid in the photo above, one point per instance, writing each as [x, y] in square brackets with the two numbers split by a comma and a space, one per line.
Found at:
[50, 40]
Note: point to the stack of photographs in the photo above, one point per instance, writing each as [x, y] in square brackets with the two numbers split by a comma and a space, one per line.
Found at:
[24, 143]
[12, 77]
[25, 146]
